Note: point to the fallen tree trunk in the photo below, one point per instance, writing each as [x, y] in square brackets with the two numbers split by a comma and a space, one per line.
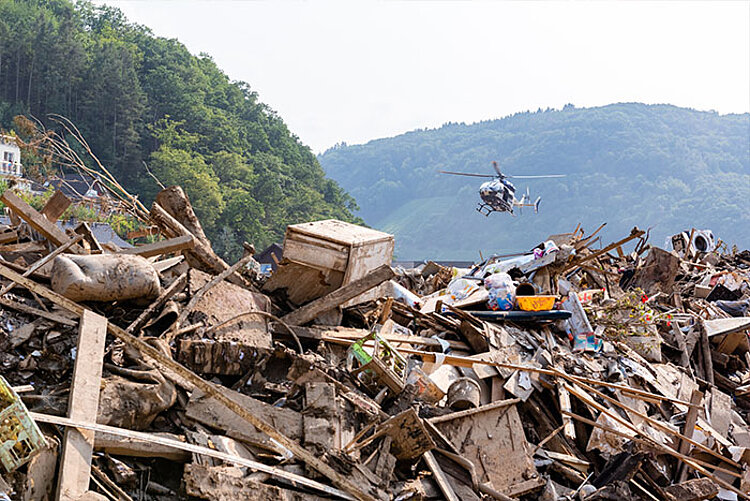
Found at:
[202, 255]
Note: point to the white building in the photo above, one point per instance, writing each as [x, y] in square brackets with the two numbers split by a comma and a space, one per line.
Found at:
[10, 158]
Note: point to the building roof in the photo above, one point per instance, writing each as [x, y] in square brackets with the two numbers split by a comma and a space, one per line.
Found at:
[76, 186]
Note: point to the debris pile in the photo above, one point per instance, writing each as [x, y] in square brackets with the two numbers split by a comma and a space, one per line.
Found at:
[161, 372]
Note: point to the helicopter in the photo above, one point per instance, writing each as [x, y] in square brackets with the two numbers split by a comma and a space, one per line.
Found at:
[499, 195]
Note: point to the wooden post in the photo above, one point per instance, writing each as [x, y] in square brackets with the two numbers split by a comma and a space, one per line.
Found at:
[83, 404]
[690, 419]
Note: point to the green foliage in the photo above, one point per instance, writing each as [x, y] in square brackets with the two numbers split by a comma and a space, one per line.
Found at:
[627, 164]
[139, 98]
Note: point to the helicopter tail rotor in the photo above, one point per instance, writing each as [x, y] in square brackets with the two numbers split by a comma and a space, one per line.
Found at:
[536, 205]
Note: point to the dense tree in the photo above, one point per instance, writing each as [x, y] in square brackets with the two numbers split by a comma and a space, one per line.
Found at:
[140, 98]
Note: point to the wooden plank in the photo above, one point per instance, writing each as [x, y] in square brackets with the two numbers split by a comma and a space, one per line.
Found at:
[708, 365]
[440, 477]
[311, 310]
[34, 311]
[133, 447]
[83, 404]
[569, 429]
[49, 230]
[183, 242]
[477, 410]
[55, 206]
[151, 438]
[721, 326]
[8, 236]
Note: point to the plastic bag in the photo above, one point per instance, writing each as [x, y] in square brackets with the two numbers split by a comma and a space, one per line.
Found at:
[502, 292]
[461, 288]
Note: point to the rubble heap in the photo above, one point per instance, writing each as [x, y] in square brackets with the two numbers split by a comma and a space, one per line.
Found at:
[567, 372]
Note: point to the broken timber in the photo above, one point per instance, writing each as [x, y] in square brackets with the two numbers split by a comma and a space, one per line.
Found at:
[338, 297]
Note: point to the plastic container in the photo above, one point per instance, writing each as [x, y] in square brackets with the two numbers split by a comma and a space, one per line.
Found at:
[536, 303]
[20, 437]
[463, 394]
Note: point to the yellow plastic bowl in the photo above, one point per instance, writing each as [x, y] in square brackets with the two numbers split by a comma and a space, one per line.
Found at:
[536, 303]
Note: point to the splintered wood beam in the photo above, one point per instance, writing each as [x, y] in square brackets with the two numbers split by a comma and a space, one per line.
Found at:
[160, 301]
[338, 297]
[183, 242]
[41, 224]
[55, 206]
[166, 363]
[83, 404]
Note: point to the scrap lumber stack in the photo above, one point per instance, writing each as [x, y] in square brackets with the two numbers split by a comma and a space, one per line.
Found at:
[575, 370]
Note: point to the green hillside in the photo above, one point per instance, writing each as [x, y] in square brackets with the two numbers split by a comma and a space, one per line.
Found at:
[627, 164]
[140, 98]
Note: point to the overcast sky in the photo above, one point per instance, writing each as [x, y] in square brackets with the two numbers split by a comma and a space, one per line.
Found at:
[359, 70]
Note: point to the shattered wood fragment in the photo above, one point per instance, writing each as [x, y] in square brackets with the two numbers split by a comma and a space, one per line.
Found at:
[494, 442]
[658, 271]
[207, 356]
[697, 489]
[224, 309]
[55, 206]
[198, 295]
[229, 483]
[440, 477]
[91, 244]
[338, 297]
[158, 303]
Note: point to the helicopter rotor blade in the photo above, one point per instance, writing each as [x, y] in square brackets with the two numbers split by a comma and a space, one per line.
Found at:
[497, 168]
[538, 177]
[464, 174]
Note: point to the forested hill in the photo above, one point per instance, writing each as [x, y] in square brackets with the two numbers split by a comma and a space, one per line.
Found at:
[626, 164]
[140, 98]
